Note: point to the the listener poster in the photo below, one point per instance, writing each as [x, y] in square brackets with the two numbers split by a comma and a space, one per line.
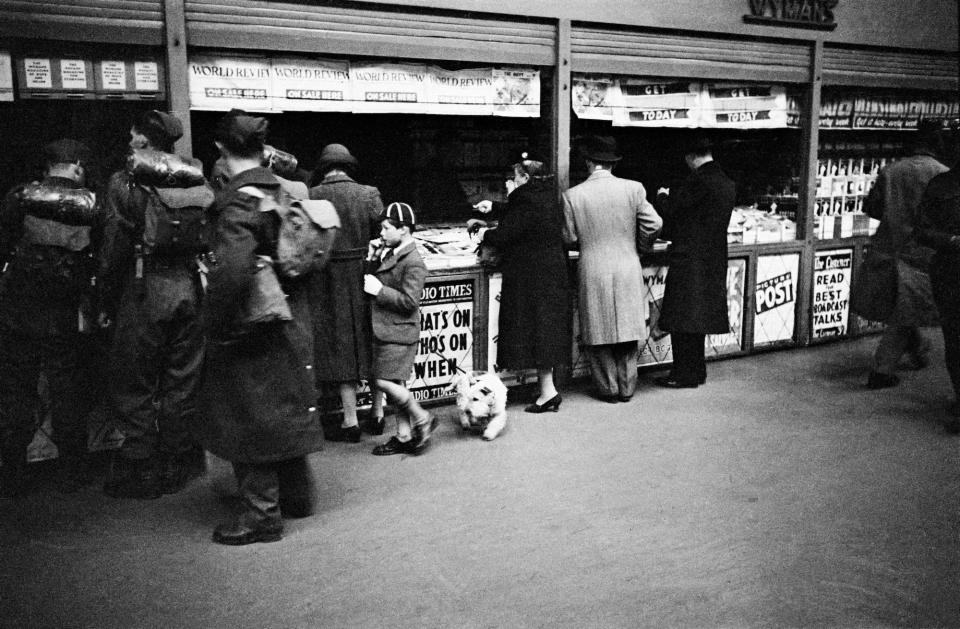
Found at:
[831, 293]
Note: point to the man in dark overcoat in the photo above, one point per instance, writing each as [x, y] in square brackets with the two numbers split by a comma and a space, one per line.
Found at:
[257, 392]
[695, 220]
[340, 310]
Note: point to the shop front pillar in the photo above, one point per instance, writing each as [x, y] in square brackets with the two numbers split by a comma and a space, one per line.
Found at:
[178, 84]
[561, 107]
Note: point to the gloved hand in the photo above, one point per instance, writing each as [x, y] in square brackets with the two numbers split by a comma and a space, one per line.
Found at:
[371, 285]
[474, 225]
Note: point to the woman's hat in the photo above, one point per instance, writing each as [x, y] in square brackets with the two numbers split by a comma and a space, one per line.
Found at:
[335, 155]
[600, 149]
[400, 212]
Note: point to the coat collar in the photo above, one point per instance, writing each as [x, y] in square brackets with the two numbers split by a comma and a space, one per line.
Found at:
[260, 177]
[62, 182]
[398, 254]
[600, 174]
[337, 178]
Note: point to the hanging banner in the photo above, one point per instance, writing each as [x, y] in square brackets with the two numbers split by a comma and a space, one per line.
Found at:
[446, 337]
[6, 76]
[775, 298]
[593, 98]
[310, 84]
[384, 88]
[831, 292]
[732, 341]
[664, 104]
[224, 83]
[516, 93]
[743, 106]
[460, 92]
[896, 112]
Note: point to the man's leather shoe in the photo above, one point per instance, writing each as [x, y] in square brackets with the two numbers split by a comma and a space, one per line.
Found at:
[237, 534]
[879, 380]
[670, 382]
[394, 446]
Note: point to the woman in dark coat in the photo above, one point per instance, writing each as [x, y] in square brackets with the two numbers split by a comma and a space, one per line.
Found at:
[535, 299]
[340, 310]
[695, 220]
[257, 390]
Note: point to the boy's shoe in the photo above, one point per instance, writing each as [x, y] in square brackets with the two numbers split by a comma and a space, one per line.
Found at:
[394, 446]
[421, 434]
[239, 534]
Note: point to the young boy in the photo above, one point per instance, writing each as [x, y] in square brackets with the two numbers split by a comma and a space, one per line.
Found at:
[396, 286]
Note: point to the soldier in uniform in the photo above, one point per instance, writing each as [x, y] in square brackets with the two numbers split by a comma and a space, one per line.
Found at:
[47, 230]
[153, 293]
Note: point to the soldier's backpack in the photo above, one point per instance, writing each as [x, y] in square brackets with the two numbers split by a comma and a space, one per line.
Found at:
[176, 221]
[305, 234]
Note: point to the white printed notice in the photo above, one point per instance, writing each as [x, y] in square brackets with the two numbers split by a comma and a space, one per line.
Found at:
[775, 298]
[224, 83]
[516, 93]
[311, 84]
[732, 341]
[831, 292]
[736, 106]
[113, 75]
[664, 104]
[389, 88]
[146, 76]
[73, 74]
[593, 97]
[460, 92]
[37, 74]
[446, 337]
[6, 76]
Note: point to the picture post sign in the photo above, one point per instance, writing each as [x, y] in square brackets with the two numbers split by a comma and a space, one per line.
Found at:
[775, 298]
[446, 337]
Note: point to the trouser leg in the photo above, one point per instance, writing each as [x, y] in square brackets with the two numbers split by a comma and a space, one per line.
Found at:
[626, 356]
[946, 291]
[296, 487]
[893, 343]
[183, 357]
[259, 488]
[688, 357]
[60, 364]
[19, 372]
[135, 371]
[603, 369]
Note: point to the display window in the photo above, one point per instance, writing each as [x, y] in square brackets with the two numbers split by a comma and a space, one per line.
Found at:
[861, 132]
[749, 125]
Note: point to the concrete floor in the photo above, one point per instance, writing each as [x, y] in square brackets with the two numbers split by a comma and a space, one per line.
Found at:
[781, 494]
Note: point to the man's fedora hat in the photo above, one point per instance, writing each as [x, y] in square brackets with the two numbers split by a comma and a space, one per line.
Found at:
[598, 148]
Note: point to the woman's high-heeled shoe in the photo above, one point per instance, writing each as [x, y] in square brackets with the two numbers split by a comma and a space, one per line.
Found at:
[553, 405]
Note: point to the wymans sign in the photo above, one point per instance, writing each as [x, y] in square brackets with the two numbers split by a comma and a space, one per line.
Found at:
[794, 13]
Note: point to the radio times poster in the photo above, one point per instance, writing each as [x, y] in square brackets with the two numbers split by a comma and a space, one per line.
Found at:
[831, 293]
[775, 298]
[446, 337]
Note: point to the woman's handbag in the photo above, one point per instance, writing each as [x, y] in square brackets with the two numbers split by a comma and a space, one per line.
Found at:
[266, 301]
[874, 294]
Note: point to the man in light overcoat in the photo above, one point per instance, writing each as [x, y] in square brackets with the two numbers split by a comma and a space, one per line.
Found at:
[607, 217]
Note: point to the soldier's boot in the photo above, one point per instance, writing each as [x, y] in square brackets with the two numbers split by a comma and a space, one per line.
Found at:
[132, 478]
[178, 469]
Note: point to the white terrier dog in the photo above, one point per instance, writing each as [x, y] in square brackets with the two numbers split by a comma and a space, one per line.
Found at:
[482, 401]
